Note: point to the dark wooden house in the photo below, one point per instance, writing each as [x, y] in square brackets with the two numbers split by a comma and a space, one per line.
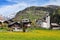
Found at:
[15, 26]
[26, 23]
[6, 22]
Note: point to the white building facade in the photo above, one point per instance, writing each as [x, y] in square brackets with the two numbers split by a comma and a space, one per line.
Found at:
[46, 22]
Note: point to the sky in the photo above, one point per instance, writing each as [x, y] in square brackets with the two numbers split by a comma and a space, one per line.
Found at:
[9, 8]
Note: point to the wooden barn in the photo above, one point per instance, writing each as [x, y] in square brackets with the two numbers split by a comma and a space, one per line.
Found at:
[15, 26]
[26, 22]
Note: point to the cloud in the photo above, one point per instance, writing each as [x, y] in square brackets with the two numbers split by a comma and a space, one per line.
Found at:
[38, 2]
[12, 9]
[47, 2]
[53, 2]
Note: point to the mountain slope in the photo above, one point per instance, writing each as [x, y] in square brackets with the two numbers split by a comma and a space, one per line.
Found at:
[35, 12]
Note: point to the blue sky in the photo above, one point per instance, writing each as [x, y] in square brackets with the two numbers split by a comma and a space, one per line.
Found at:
[10, 2]
[9, 8]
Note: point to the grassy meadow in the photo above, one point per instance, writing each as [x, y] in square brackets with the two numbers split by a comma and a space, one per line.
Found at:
[32, 35]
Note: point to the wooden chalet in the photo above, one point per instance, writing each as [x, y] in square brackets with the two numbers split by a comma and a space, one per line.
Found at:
[15, 26]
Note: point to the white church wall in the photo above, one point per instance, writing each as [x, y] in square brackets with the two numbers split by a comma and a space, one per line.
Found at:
[48, 21]
[46, 24]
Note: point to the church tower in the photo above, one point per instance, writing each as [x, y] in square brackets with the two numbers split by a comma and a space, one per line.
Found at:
[48, 20]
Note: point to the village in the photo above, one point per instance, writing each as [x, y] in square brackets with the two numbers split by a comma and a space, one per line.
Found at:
[23, 24]
[29, 19]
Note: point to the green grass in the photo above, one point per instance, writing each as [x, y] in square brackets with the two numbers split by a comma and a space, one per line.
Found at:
[33, 35]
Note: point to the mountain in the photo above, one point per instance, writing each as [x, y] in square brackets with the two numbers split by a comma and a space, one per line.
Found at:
[36, 12]
[53, 6]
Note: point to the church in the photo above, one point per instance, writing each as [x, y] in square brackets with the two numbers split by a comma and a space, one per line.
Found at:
[46, 22]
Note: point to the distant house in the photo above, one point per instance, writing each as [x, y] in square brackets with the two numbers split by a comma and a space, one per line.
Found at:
[26, 22]
[6, 22]
[55, 26]
[10, 21]
[15, 26]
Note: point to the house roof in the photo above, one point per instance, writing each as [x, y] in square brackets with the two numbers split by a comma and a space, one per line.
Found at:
[26, 21]
[55, 24]
[13, 24]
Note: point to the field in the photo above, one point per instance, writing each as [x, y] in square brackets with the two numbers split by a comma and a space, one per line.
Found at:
[32, 35]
